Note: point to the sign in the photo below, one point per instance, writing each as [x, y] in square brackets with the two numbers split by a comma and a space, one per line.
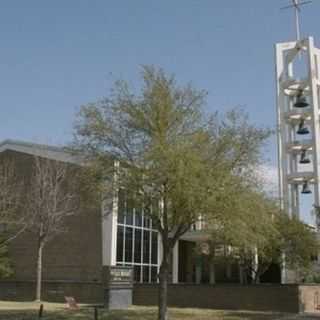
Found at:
[117, 275]
[118, 284]
[120, 275]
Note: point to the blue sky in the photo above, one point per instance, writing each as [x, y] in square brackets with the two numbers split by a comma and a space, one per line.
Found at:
[58, 55]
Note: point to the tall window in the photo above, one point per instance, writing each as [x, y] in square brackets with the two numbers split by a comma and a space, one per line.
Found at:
[137, 241]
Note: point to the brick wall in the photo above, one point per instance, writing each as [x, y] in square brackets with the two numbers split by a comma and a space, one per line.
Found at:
[284, 298]
[277, 298]
[53, 291]
[309, 298]
[75, 254]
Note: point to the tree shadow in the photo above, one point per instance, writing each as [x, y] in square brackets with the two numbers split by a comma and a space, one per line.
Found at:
[267, 316]
[150, 313]
[82, 314]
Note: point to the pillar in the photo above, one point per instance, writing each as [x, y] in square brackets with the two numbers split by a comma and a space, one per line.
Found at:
[109, 216]
[175, 263]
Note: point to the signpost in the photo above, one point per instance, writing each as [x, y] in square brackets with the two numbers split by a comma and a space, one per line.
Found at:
[118, 284]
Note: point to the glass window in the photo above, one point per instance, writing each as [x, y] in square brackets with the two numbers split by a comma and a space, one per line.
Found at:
[146, 222]
[120, 244]
[154, 274]
[154, 248]
[137, 273]
[146, 246]
[145, 274]
[137, 245]
[128, 244]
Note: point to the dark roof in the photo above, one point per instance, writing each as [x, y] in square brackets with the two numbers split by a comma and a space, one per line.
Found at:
[46, 151]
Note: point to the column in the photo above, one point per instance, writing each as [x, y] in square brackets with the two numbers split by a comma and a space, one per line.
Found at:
[175, 263]
[109, 213]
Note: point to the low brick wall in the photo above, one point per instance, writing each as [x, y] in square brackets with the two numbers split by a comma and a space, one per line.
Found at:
[309, 298]
[282, 298]
[53, 291]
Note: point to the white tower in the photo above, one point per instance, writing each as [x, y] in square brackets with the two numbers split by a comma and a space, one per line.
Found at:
[298, 125]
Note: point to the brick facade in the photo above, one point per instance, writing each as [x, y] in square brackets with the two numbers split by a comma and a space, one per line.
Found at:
[53, 291]
[277, 298]
[75, 254]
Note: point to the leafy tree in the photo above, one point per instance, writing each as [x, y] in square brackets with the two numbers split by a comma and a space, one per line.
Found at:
[176, 161]
[257, 237]
[291, 242]
[260, 231]
[298, 241]
[245, 225]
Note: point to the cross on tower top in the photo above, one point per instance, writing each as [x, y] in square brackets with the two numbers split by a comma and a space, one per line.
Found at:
[296, 4]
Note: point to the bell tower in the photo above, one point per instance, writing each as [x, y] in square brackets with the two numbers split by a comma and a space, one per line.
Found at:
[298, 125]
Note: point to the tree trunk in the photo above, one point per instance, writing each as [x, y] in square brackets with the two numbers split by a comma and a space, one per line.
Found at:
[39, 272]
[163, 290]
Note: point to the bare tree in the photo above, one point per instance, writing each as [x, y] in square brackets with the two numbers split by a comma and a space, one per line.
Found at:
[51, 198]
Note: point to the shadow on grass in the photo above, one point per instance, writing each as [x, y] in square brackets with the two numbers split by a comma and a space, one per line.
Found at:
[248, 315]
[47, 315]
[147, 313]
[257, 315]
[82, 314]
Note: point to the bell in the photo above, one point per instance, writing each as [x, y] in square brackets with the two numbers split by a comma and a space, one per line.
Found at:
[303, 158]
[301, 101]
[302, 128]
[305, 188]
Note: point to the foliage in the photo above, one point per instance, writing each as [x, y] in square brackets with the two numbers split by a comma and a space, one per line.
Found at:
[310, 276]
[178, 161]
[250, 228]
[298, 241]
[260, 228]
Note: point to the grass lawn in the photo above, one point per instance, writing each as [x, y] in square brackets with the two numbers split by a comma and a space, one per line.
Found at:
[53, 311]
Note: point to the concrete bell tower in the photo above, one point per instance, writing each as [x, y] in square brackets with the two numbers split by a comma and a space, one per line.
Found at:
[298, 126]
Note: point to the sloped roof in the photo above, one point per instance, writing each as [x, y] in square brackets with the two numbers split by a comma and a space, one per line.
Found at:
[41, 150]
